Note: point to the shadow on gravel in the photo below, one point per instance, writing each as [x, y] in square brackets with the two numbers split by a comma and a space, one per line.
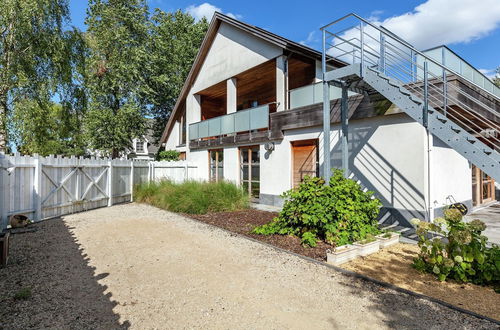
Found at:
[54, 284]
[403, 311]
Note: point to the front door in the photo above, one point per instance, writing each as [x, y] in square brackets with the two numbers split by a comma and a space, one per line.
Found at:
[483, 187]
[305, 160]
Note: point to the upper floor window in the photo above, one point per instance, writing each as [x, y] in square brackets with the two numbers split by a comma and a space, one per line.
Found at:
[139, 146]
[182, 129]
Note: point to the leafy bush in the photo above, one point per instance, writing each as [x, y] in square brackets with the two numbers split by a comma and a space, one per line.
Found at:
[168, 155]
[192, 197]
[338, 213]
[464, 255]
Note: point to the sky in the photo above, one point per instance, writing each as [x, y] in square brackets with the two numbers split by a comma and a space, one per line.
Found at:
[471, 28]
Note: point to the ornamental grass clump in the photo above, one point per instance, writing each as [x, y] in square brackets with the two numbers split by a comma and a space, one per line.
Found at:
[463, 255]
[338, 213]
[192, 197]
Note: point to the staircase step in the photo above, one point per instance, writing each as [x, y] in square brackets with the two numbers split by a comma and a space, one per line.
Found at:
[442, 119]
[486, 151]
[455, 129]
[471, 140]
[404, 92]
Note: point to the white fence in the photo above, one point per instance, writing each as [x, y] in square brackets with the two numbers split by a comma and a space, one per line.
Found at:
[46, 187]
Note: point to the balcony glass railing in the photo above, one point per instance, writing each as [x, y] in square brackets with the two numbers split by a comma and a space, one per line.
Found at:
[451, 60]
[312, 94]
[239, 121]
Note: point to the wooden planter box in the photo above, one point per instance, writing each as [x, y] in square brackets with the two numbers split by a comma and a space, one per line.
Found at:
[4, 248]
[342, 254]
[368, 248]
[386, 242]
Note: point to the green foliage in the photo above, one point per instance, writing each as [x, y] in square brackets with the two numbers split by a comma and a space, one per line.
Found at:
[338, 213]
[35, 56]
[464, 255]
[46, 129]
[172, 47]
[117, 36]
[192, 197]
[168, 155]
[23, 294]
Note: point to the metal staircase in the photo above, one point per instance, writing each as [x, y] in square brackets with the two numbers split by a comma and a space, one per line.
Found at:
[467, 119]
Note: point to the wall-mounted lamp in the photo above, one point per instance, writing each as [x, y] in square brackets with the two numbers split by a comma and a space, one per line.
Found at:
[269, 146]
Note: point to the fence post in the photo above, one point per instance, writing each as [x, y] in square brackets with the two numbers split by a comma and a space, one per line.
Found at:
[131, 181]
[151, 171]
[3, 189]
[110, 182]
[186, 176]
[37, 189]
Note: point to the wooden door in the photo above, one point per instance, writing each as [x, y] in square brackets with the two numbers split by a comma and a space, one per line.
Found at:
[305, 160]
[483, 187]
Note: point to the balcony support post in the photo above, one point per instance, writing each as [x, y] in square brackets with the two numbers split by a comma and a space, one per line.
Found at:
[281, 64]
[326, 117]
[231, 84]
[344, 136]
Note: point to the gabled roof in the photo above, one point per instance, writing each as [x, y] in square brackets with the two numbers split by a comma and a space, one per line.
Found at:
[217, 19]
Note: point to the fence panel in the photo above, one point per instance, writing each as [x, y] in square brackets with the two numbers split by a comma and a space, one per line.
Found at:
[46, 187]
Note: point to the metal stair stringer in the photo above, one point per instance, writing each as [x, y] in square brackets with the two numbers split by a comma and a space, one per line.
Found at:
[471, 148]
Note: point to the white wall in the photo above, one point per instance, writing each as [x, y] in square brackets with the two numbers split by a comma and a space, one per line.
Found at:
[386, 155]
[200, 158]
[231, 165]
[450, 175]
[173, 138]
[232, 52]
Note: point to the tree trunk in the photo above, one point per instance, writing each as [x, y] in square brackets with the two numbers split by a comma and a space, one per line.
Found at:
[3, 124]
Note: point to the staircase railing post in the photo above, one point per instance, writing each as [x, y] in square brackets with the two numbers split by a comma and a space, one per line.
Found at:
[425, 113]
[445, 82]
[362, 42]
[382, 53]
[326, 116]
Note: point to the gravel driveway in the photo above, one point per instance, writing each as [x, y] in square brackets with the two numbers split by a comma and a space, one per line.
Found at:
[134, 266]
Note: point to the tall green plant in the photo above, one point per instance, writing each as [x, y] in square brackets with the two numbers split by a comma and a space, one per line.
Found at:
[339, 212]
[192, 197]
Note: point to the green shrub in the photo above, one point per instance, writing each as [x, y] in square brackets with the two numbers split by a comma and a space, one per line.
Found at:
[192, 197]
[168, 155]
[463, 256]
[338, 213]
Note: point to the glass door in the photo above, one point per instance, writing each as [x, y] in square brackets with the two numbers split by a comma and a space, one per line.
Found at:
[250, 170]
[216, 165]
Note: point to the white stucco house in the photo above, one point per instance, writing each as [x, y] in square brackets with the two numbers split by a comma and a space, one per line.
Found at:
[251, 112]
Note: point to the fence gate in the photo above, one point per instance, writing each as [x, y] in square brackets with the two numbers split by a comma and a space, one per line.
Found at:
[46, 187]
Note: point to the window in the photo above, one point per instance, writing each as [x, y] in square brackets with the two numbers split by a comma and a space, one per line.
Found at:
[182, 129]
[250, 170]
[216, 165]
[139, 146]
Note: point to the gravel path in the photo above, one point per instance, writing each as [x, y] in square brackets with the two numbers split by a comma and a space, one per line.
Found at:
[134, 266]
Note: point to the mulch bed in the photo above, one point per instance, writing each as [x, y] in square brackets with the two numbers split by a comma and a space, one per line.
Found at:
[242, 222]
